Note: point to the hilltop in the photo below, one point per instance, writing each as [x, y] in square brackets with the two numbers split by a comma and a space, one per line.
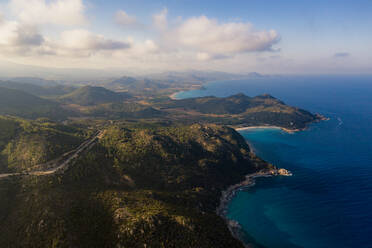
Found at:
[91, 95]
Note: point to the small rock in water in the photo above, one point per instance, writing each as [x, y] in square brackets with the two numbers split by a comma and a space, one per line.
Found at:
[284, 172]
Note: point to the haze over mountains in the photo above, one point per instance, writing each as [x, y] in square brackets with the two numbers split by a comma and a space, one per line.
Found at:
[49, 78]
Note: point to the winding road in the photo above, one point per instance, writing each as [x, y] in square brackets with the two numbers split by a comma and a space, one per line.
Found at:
[61, 164]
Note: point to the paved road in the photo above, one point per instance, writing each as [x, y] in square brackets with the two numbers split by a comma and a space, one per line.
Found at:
[61, 164]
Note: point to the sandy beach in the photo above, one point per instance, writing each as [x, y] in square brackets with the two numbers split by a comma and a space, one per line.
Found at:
[268, 127]
[173, 96]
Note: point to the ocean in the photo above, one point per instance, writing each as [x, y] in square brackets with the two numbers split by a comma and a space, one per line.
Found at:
[328, 200]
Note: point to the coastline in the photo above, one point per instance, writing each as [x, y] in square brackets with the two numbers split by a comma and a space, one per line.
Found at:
[228, 194]
[269, 127]
[249, 181]
[319, 118]
[173, 95]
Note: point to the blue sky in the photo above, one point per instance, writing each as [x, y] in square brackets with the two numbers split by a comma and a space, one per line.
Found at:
[272, 36]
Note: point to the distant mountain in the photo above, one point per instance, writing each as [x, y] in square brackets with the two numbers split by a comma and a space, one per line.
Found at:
[255, 75]
[35, 81]
[195, 76]
[235, 104]
[47, 91]
[167, 82]
[19, 103]
[131, 84]
[243, 110]
[10, 70]
[91, 95]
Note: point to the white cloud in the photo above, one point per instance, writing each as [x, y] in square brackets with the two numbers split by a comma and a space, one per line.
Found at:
[149, 46]
[127, 21]
[202, 56]
[160, 20]
[209, 36]
[180, 43]
[22, 40]
[81, 40]
[19, 39]
[59, 12]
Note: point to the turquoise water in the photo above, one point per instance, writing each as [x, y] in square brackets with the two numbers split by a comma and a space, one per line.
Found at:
[328, 201]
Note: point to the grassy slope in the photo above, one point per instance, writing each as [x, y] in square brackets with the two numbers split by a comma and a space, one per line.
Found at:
[140, 187]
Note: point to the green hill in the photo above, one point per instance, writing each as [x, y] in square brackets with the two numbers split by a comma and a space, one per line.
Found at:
[240, 110]
[24, 144]
[19, 103]
[90, 95]
[37, 90]
[140, 187]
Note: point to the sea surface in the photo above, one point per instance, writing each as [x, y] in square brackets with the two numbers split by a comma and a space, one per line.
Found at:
[328, 200]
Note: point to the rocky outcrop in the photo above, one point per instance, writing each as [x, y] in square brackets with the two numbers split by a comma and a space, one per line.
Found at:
[284, 172]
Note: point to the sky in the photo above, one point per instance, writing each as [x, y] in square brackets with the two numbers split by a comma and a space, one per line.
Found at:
[147, 36]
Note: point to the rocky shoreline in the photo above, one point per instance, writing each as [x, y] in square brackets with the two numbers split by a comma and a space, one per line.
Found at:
[228, 194]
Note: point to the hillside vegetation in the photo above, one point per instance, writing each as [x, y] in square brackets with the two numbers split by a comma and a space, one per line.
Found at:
[240, 110]
[123, 110]
[25, 144]
[139, 187]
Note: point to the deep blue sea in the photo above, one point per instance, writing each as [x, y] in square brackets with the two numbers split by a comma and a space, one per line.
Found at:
[328, 200]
